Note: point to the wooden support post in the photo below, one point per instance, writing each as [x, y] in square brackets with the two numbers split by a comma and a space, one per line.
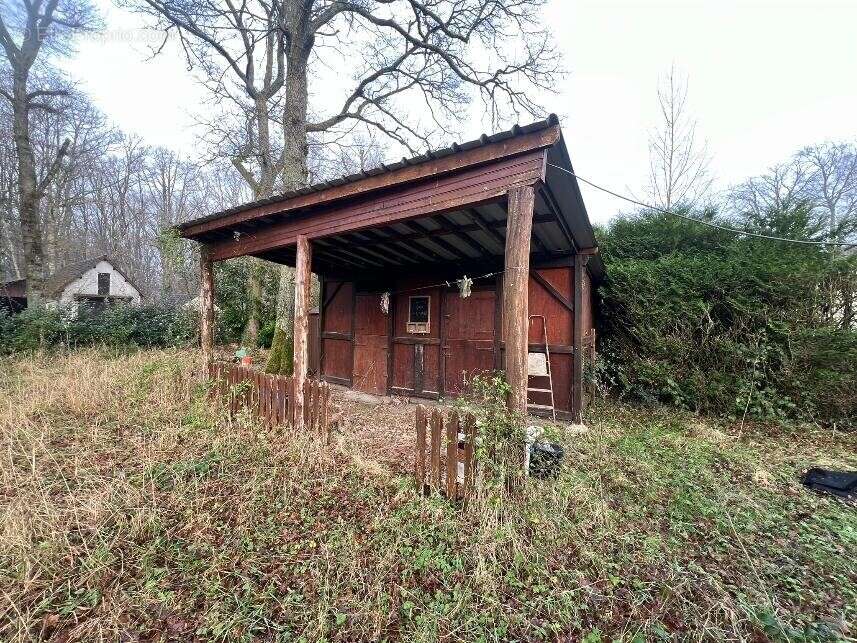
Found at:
[580, 261]
[302, 296]
[206, 304]
[519, 226]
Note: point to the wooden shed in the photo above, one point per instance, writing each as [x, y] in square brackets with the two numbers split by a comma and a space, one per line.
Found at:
[391, 246]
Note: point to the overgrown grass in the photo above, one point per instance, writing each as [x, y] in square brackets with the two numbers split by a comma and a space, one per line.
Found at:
[133, 511]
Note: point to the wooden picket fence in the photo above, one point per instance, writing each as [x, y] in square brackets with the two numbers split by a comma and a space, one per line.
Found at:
[269, 397]
[443, 474]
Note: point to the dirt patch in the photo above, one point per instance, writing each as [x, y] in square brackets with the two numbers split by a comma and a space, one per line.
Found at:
[381, 432]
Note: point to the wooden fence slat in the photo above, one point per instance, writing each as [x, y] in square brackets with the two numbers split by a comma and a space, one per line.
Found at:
[325, 420]
[279, 400]
[420, 469]
[265, 398]
[307, 398]
[451, 455]
[286, 400]
[291, 386]
[230, 382]
[254, 394]
[269, 404]
[436, 427]
[469, 454]
[257, 385]
[316, 407]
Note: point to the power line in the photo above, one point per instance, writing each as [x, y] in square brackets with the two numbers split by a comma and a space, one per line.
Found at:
[700, 221]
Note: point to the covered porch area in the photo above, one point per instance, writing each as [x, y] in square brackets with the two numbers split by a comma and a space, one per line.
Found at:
[391, 245]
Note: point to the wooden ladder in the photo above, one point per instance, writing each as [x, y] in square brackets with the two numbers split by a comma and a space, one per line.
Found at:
[543, 407]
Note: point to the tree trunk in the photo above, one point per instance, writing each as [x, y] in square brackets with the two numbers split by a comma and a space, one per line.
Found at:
[282, 347]
[28, 194]
[250, 336]
[263, 189]
[294, 176]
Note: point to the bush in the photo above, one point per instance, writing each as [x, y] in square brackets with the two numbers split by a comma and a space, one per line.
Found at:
[148, 326]
[705, 320]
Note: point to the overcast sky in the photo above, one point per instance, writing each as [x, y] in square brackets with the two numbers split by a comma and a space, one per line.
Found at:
[765, 79]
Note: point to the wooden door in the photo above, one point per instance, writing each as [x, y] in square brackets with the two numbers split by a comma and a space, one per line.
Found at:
[468, 338]
[370, 345]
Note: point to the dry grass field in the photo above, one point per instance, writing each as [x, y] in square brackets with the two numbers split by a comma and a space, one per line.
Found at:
[133, 510]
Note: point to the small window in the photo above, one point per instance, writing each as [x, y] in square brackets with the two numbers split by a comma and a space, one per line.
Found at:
[103, 284]
[418, 314]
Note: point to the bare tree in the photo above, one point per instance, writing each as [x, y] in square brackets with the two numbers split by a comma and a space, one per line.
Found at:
[783, 187]
[260, 57]
[27, 29]
[831, 170]
[678, 163]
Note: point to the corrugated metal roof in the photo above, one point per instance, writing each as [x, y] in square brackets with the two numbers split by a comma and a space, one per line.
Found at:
[431, 155]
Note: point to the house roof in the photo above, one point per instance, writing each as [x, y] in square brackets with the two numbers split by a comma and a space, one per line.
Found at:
[56, 282]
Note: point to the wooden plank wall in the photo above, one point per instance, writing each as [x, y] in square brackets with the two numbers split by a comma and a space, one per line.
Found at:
[355, 346]
[370, 345]
[545, 300]
[416, 358]
[336, 311]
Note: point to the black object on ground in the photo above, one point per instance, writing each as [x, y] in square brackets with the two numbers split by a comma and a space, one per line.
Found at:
[838, 483]
[545, 459]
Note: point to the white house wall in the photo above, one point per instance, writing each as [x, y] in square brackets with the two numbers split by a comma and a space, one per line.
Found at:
[87, 284]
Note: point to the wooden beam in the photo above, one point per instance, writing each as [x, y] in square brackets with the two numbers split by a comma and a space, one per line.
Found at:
[498, 322]
[302, 300]
[486, 228]
[206, 304]
[390, 251]
[391, 330]
[391, 237]
[462, 236]
[454, 163]
[492, 229]
[577, 339]
[329, 298]
[553, 292]
[441, 243]
[550, 199]
[473, 187]
[519, 229]
[323, 300]
[326, 245]
[336, 257]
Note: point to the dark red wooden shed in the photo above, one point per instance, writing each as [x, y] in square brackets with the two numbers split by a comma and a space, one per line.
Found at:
[504, 210]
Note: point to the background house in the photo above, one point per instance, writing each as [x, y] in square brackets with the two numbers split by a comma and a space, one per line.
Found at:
[93, 282]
